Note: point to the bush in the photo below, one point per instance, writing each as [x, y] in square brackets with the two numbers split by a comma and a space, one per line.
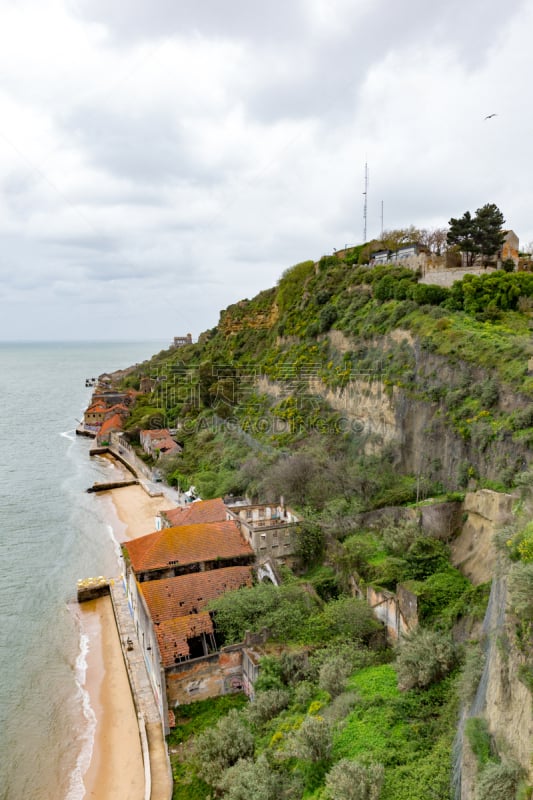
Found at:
[351, 780]
[498, 781]
[477, 733]
[313, 740]
[424, 657]
[439, 591]
[340, 707]
[267, 705]
[284, 610]
[221, 747]
[398, 537]
[430, 294]
[346, 619]
[251, 779]
[333, 675]
[470, 675]
[521, 589]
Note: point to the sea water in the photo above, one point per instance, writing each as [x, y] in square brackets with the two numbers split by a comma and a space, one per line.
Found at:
[51, 533]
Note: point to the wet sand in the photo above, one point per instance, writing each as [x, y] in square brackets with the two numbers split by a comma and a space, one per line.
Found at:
[116, 769]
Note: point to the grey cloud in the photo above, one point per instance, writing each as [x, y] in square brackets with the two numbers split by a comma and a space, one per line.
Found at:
[140, 19]
[323, 70]
[147, 148]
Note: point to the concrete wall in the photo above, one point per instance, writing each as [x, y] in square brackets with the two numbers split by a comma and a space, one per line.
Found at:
[267, 537]
[398, 611]
[200, 678]
[148, 644]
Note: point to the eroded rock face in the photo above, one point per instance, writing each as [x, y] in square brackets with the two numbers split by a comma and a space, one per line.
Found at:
[509, 703]
[473, 550]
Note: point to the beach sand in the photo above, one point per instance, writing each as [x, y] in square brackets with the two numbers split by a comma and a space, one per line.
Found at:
[116, 769]
[137, 510]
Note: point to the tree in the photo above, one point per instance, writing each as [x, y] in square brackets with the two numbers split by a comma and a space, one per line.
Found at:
[488, 232]
[461, 233]
[434, 239]
[481, 234]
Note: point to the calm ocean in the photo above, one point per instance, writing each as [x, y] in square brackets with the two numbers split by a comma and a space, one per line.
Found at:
[51, 533]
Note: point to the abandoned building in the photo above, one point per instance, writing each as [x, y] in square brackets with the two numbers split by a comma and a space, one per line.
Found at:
[270, 528]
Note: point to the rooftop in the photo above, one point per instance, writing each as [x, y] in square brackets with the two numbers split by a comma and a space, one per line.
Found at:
[173, 635]
[189, 594]
[112, 424]
[187, 544]
[202, 511]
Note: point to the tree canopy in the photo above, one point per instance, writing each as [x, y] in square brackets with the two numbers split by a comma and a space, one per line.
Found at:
[478, 235]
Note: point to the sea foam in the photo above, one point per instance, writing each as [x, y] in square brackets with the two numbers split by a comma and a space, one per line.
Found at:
[76, 789]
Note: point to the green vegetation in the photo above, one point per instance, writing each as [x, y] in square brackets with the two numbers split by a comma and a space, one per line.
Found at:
[481, 234]
[306, 392]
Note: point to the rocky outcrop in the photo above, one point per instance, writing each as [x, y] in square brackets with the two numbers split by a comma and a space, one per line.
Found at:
[473, 550]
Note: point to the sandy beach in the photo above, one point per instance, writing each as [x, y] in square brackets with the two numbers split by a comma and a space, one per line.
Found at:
[116, 769]
[137, 510]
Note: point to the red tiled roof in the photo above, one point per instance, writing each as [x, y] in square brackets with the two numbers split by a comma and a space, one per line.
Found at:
[119, 408]
[202, 511]
[166, 444]
[173, 635]
[99, 406]
[159, 433]
[112, 424]
[187, 544]
[188, 594]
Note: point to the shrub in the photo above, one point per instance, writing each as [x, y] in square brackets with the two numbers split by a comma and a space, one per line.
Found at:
[430, 294]
[398, 537]
[346, 619]
[424, 657]
[251, 779]
[267, 705]
[221, 747]
[351, 780]
[471, 675]
[340, 707]
[498, 781]
[333, 675]
[313, 740]
[477, 733]
[284, 610]
[521, 589]
[305, 691]
[439, 591]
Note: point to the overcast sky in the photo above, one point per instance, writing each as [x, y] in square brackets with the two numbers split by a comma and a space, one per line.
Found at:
[160, 159]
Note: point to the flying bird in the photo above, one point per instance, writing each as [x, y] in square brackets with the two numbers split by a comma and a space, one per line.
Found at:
[490, 116]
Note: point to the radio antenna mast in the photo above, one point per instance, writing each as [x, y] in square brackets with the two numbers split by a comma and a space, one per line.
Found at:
[365, 207]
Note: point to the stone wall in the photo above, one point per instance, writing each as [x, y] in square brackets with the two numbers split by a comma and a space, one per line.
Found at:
[200, 678]
[398, 611]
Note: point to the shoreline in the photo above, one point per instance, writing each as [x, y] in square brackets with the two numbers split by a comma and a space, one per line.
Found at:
[116, 766]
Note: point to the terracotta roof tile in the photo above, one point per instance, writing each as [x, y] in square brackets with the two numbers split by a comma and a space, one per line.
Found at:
[187, 544]
[158, 433]
[188, 594]
[173, 635]
[112, 424]
[202, 511]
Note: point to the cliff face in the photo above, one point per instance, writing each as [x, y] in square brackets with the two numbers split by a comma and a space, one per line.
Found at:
[425, 438]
